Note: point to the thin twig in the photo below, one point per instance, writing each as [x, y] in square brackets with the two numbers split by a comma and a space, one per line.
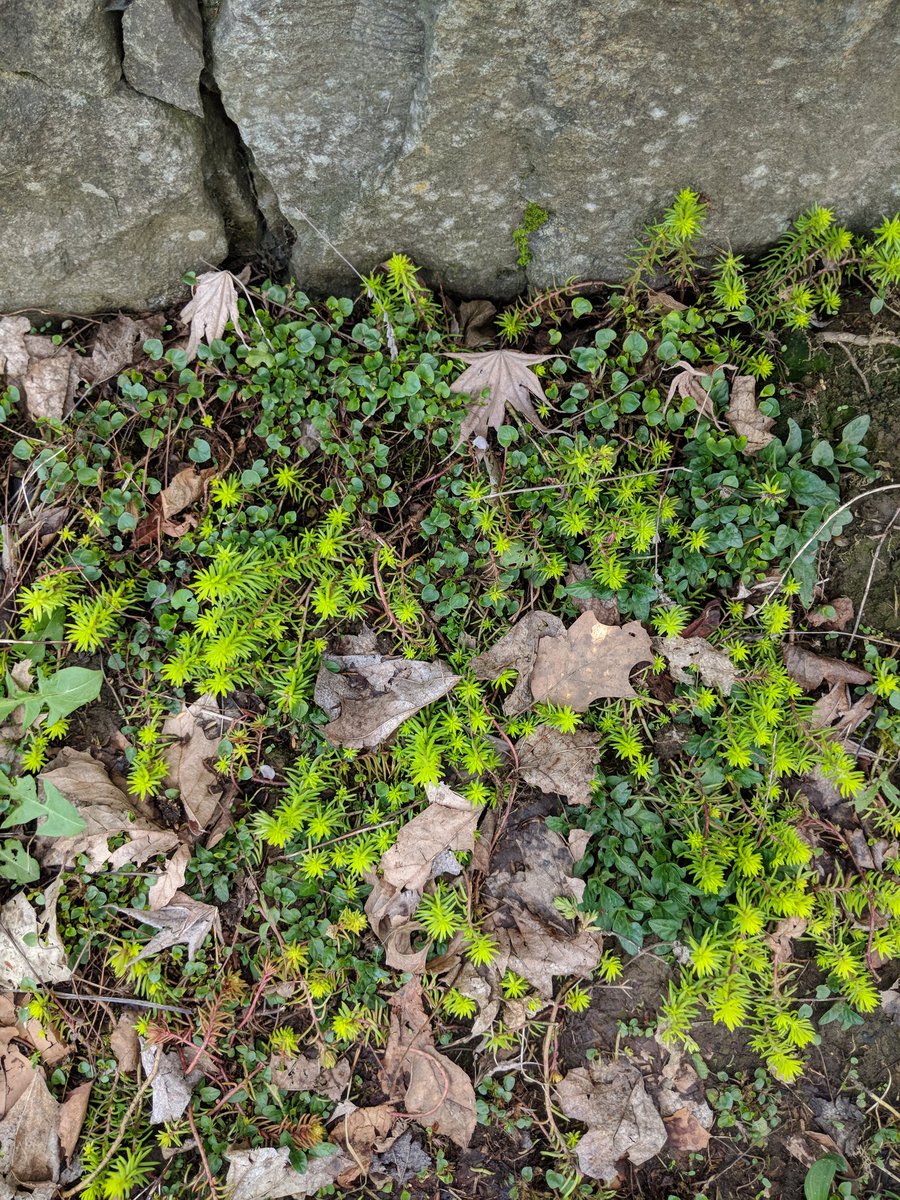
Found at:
[858, 339]
[83, 996]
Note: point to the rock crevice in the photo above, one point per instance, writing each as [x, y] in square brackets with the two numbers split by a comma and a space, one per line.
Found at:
[178, 134]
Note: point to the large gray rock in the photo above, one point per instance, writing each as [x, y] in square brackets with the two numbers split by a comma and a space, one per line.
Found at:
[427, 125]
[163, 42]
[104, 194]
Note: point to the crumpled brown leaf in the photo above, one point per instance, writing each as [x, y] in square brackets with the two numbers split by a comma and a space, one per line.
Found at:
[364, 1130]
[563, 764]
[305, 1073]
[43, 371]
[836, 711]
[117, 344]
[448, 823]
[183, 490]
[780, 940]
[687, 654]
[197, 731]
[622, 1120]
[370, 696]
[16, 1068]
[184, 921]
[267, 1174]
[685, 1132]
[170, 879]
[438, 1093]
[590, 662]
[508, 380]
[29, 1141]
[744, 417]
[812, 670]
[107, 812]
[212, 306]
[475, 322]
[171, 1088]
[123, 1042]
[13, 352]
[688, 384]
[842, 607]
[42, 957]
[71, 1118]
[391, 917]
[517, 650]
[531, 866]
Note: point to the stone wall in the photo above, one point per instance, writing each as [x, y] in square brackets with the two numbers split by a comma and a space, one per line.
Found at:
[166, 134]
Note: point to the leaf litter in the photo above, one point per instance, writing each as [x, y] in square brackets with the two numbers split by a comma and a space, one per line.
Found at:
[507, 378]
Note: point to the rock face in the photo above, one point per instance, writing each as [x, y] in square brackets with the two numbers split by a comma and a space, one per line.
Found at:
[103, 191]
[424, 126]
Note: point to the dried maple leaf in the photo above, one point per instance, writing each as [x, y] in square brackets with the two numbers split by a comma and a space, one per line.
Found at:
[507, 378]
[212, 306]
[744, 417]
[591, 662]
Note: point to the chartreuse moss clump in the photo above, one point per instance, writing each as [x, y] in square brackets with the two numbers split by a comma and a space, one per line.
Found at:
[334, 501]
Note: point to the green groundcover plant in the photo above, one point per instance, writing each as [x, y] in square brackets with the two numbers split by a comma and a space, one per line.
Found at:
[335, 496]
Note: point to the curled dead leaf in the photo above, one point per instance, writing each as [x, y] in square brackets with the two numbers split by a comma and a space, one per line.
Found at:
[687, 654]
[212, 306]
[812, 670]
[507, 378]
[517, 650]
[563, 764]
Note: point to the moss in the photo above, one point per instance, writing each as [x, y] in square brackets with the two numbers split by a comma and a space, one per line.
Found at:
[533, 218]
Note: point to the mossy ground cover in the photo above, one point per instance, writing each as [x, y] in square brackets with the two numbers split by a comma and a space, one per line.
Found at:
[294, 753]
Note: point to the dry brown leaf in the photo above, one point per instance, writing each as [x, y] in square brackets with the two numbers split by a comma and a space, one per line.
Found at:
[124, 1044]
[843, 614]
[475, 321]
[71, 1118]
[688, 384]
[29, 1142]
[622, 1120]
[16, 1068]
[507, 377]
[107, 813]
[448, 823]
[606, 611]
[812, 670]
[836, 710]
[687, 654]
[267, 1174]
[212, 306]
[591, 662]
[531, 866]
[517, 650]
[30, 946]
[365, 1130]
[780, 940]
[305, 1073]
[563, 764]
[370, 696]
[183, 490]
[184, 921]
[117, 344]
[171, 879]
[390, 912]
[171, 1088]
[686, 1134]
[577, 841]
[744, 417]
[45, 1041]
[197, 731]
[664, 300]
[438, 1093]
